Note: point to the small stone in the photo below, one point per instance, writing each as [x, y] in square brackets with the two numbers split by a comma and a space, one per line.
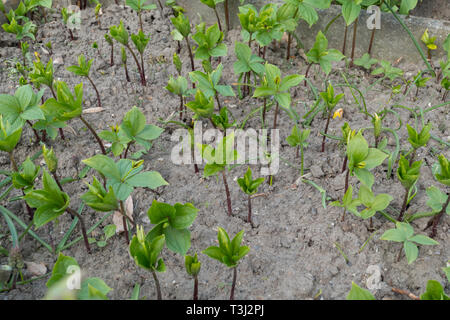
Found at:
[316, 171]
[36, 269]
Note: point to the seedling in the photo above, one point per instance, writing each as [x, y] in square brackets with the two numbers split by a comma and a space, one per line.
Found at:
[228, 252]
[404, 233]
[98, 13]
[362, 159]
[202, 107]
[212, 4]
[122, 177]
[182, 31]
[274, 86]
[22, 108]
[298, 139]
[111, 44]
[178, 87]
[218, 158]
[222, 121]
[83, 69]
[141, 40]
[434, 291]
[120, 34]
[420, 81]
[9, 137]
[408, 174]
[320, 54]
[108, 232]
[132, 130]
[67, 106]
[145, 253]
[210, 42]
[50, 203]
[208, 83]
[193, 269]
[66, 16]
[330, 101]
[90, 289]
[418, 140]
[442, 175]
[26, 31]
[139, 6]
[248, 18]
[429, 42]
[250, 187]
[387, 70]
[366, 61]
[25, 178]
[247, 63]
[43, 75]
[350, 12]
[172, 222]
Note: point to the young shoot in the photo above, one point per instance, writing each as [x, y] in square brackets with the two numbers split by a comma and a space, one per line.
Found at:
[298, 139]
[331, 101]
[193, 269]
[250, 187]
[229, 253]
[408, 174]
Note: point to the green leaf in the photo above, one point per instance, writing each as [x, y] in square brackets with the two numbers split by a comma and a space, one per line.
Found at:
[394, 235]
[434, 291]
[411, 251]
[350, 11]
[100, 292]
[178, 240]
[358, 293]
[214, 253]
[424, 240]
[104, 165]
[61, 269]
[365, 176]
[148, 179]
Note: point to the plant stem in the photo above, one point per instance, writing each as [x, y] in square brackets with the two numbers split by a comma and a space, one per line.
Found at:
[218, 19]
[249, 220]
[405, 293]
[307, 71]
[124, 221]
[140, 21]
[233, 286]
[372, 37]
[288, 52]
[345, 40]
[405, 203]
[13, 161]
[126, 72]
[344, 165]
[94, 133]
[355, 27]
[137, 64]
[190, 54]
[96, 91]
[326, 130]
[112, 54]
[143, 67]
[302, 159]
[34, 131]
[195, 288]
[158, 288]
[83, 228]
[218, 101]
[55, 176]
[264, 110]
[181, 107]
[227, 15]
[227, 191]
[435, 220]
[276, 116]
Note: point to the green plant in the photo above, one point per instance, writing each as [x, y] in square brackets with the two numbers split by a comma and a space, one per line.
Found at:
[247, 63]
[434, 291]
[213, 4]
[420, 81]
[178, 87]
[28, 30]
[298, 139]
[202, 106]
[228, 252]
[58, 285]
[358, 293]
[132, 130]
[404, 233]
[278, 88]
[9, 137]
[320, 54]
[108, 232]
[145, 253]
[124, 63]
[83, 69]
[418, 140]
[217, 160]
[365, 61]
[408, 174]
[66, 15]
[67, 106]
[182, 31]
[120, 34]
[387, 70]
[208, 83]
[139, 6]
[222, 121]
[210, 42]
[442, 175]
[193, 269]
[429, 42]
[172, 222]
[250, 187]
[331, 101]
[22, 107]
[50, 203]
[98, 12]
